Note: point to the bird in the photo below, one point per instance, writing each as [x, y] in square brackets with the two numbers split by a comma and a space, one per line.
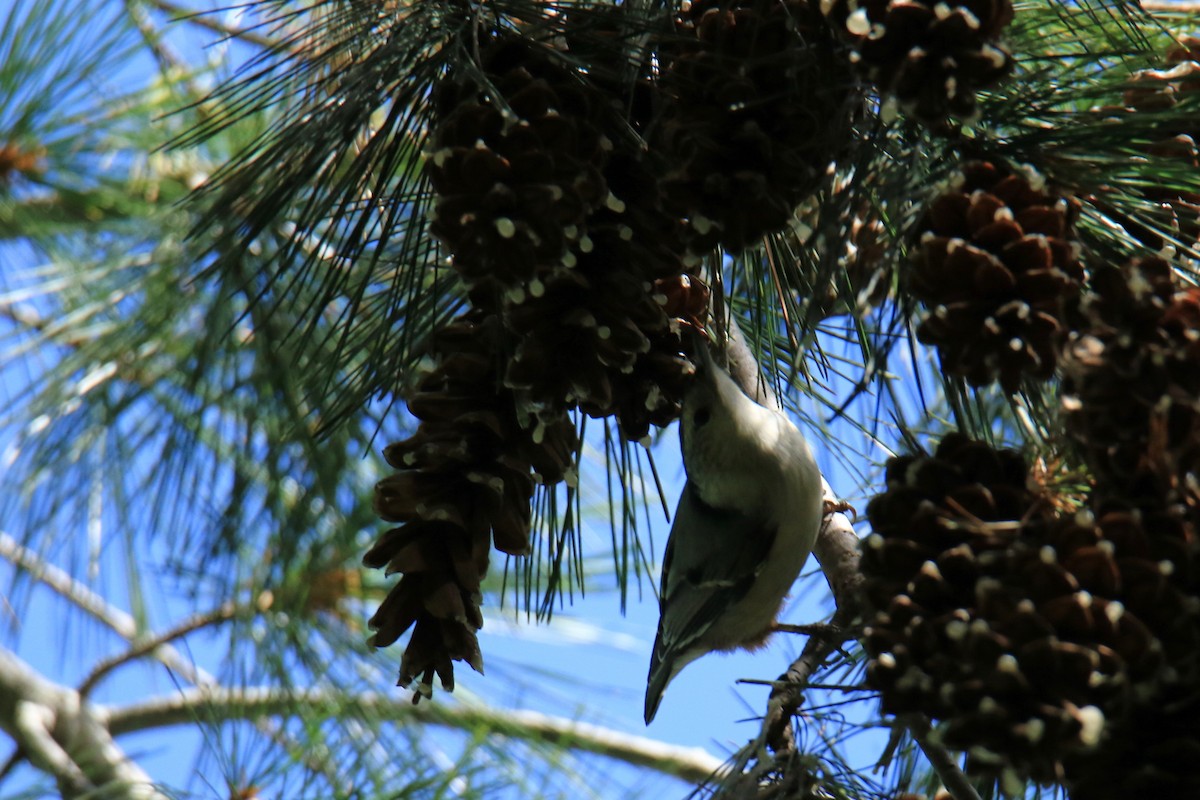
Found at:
[747, 518]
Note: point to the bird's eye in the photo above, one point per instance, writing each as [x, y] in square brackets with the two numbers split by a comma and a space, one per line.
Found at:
[701, 417]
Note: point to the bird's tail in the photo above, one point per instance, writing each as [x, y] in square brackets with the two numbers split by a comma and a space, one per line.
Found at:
[661, 672]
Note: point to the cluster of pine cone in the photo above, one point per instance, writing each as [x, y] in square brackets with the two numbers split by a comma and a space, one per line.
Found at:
[577, 302]
[1131, 387]
[1040, 639]
[1043, 639]
[573, 187]
[575, 183]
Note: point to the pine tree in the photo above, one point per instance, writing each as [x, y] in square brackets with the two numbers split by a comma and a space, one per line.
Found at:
[962, 234]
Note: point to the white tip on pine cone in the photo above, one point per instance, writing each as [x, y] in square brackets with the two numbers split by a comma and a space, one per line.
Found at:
[1012, 783]
[1035, 179]
[889, 111]
[858, 23]
[654, 398]
[1092, 720]
[614, 203]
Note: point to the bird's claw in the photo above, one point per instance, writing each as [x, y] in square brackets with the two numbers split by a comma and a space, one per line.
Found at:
[838, 507]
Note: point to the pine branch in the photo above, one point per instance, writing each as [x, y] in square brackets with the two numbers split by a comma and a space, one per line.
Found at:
[93, 604]
[223, 613]
[1169, 5]
[943, 763]
[220, 704]
[199, 18]
[66, 737]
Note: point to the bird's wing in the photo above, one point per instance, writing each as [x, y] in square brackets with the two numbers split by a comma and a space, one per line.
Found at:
[724, 554]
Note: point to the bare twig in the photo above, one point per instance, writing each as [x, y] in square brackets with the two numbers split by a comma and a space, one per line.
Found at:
[184, 14]
[1169, 5]
[121, 623]
[223, 613]
[690, 764]
[943, 763]
[687, 763]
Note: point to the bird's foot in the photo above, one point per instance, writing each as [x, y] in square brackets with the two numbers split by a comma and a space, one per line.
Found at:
[819, 629]
[838, 507]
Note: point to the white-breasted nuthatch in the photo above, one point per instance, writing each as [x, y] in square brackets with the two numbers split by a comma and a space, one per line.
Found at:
[746, 521]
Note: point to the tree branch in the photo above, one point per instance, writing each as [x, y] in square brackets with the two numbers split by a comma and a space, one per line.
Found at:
[226, 611]
[72, 590]
[62, 735]
[687, 763]
[183, 14]
[953, 779]
[1169, 5]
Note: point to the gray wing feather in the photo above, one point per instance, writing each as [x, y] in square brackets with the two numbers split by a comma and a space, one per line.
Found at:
[726, 550]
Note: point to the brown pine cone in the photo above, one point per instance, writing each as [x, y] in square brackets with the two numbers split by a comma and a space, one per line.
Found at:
[514, 193]
[1150, 751]
[1159, 90]
[998, 271]
[1131, 379]
[464, 482]
[758, 100]
[1021, 632]
[932, 56]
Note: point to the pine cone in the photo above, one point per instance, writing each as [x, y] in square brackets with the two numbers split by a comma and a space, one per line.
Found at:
[1152, 751]
[1022, 632]
[562, 232]
[998, 270]
[514, 195]
[464, 481]
[758, 102]
[933, 56]
[1158, 89]
[1131, 379]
